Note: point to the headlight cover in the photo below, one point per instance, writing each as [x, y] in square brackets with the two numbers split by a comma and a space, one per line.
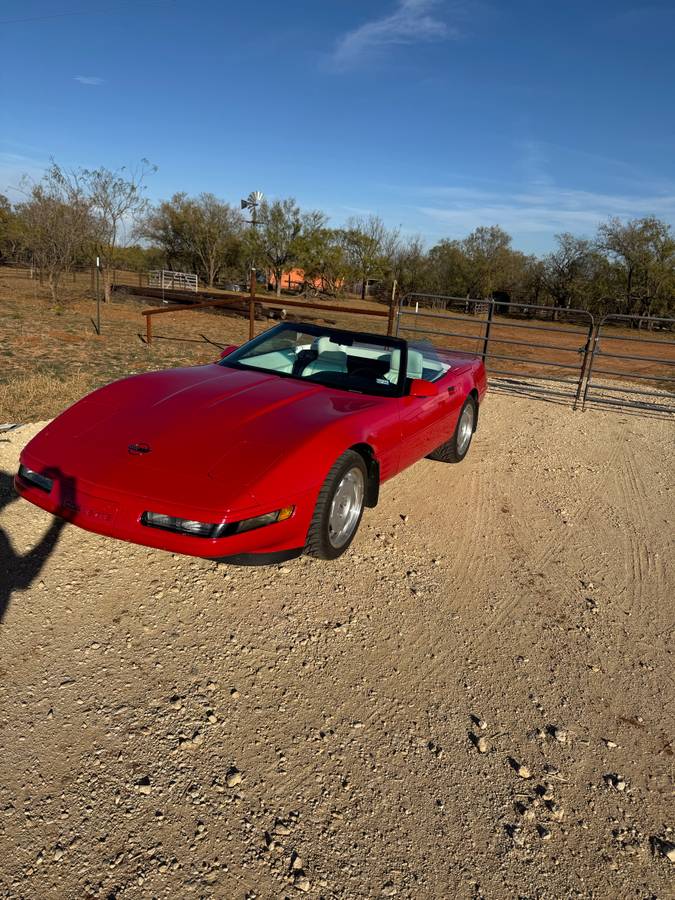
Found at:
[35, 478]
[182, 526]
[210, 530]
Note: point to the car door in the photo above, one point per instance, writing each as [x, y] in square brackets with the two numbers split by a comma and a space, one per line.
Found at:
[427, 422]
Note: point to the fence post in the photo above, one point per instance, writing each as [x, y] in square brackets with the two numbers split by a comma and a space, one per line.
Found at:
[251, 307]
[392, 308]
[589, 369]
[148, 329]
[584, 363]
[488, 326]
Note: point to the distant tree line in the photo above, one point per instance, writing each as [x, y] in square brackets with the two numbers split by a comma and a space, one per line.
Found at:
[70, 217]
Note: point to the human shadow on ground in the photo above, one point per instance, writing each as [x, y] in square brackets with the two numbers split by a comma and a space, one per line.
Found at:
[17, 571]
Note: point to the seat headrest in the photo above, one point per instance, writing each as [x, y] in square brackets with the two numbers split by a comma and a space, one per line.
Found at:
[324, 344]
[415, 367]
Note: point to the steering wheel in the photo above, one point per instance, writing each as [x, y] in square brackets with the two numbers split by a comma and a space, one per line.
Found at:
[303, 359]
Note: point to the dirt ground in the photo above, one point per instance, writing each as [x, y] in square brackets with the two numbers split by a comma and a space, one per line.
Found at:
[173, 728]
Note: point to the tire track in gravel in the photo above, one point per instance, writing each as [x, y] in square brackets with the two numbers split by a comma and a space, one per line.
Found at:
[634, 523]
[583, 506]
[469, 543]
[471, 533]
[650, 563]
[586, 507]
[529, 521]
[527, 528]
[645, 569]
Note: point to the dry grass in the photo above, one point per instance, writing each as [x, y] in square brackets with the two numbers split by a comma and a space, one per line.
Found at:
[64, 349]
[35, 397]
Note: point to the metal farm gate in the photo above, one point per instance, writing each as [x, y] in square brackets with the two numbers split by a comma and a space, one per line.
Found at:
[552, 351]
[538, 345]
[654, 372]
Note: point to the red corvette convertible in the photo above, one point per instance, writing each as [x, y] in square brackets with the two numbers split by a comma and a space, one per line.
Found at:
[275, 449]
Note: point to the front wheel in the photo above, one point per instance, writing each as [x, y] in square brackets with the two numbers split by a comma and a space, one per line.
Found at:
[339, 508]
[454, 450]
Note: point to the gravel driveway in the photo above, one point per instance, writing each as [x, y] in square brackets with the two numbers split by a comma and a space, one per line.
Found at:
[475, 701]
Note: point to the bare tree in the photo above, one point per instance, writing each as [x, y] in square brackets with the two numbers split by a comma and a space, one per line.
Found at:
[370, 247]
[409, 263]
[116, 200]
[567, 269]
[212, 232]
[57, 223]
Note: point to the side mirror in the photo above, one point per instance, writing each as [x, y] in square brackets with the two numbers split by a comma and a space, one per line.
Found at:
[421, 388]
[227, 350]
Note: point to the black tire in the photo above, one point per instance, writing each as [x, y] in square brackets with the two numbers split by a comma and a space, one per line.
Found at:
[319, 543]
[452, 451]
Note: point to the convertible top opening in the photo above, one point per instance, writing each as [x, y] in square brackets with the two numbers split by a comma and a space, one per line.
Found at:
[351, 361]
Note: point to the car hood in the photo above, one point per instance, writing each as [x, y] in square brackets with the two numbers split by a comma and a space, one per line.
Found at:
[202, 424]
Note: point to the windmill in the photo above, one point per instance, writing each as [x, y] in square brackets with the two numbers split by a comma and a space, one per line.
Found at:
[252, 202]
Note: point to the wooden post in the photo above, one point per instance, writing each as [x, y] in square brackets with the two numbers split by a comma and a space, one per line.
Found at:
[392, 310]
[148, 329]
[251, 307]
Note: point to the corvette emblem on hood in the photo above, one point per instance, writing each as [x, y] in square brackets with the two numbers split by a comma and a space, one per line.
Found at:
[139, 449]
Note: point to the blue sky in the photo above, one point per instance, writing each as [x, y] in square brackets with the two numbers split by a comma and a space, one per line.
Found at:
[437, 115]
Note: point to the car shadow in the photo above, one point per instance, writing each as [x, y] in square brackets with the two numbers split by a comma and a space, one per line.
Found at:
[19, 571]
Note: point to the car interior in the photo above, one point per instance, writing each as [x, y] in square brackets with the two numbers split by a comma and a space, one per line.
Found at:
[324, 357]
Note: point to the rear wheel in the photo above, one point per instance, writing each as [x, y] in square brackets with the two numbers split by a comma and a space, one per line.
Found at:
[454, 450]
[339, 508]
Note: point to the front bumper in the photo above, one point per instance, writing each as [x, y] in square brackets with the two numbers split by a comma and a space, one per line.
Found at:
[118, 515]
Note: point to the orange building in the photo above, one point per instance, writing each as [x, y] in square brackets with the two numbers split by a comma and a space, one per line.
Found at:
[294, 280]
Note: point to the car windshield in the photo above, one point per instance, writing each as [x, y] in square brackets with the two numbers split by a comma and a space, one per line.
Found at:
[367, 364]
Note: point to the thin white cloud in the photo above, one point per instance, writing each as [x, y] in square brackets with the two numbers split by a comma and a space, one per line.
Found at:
[534, 162]
[411, 22]
[89, 79]
[14, 168]
[544, 210]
